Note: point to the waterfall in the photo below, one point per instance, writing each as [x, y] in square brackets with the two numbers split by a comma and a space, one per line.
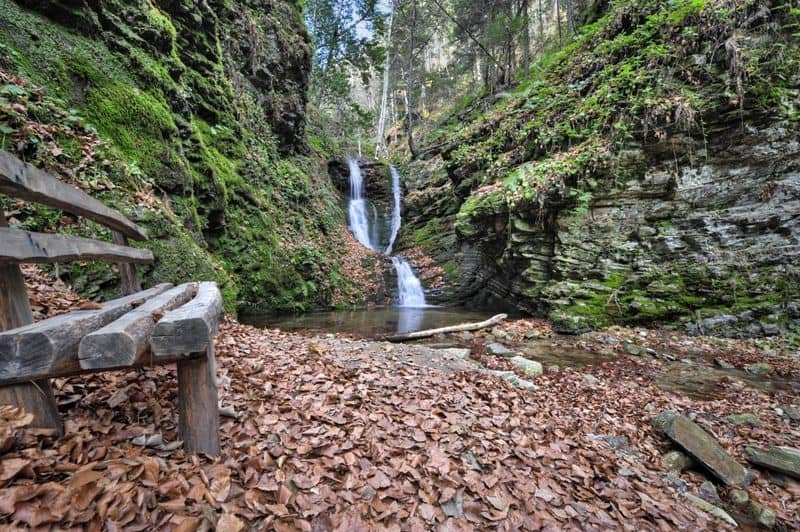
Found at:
[409, 289]
[357, 208]
[398, 200]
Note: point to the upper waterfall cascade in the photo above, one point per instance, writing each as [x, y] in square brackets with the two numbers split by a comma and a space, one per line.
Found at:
[357, 206]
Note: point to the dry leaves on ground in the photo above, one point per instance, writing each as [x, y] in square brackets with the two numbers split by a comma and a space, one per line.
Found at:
[336, 434]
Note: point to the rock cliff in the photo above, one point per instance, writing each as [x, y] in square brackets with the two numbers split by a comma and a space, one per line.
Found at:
[197, 111]
[639, 176]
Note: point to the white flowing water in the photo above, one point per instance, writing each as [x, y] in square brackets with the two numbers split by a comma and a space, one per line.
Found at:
[398, 202]
[409, 289]
[357, 207]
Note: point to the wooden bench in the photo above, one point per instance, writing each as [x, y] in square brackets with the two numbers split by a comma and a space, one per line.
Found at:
[162, 325]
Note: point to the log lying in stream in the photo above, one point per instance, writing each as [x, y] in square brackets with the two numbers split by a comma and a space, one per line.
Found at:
[494, 320]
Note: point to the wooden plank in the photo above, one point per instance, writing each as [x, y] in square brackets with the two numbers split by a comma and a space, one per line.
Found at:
[35, 397]
[22, 180]
[190, 328]
[17, 245]
[126, 340]
[50, 347]
[127, 272]
[198, 405]
[143, 361]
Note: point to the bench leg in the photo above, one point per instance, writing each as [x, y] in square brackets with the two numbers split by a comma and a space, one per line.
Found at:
[198, 423]
[15, 311]
[35, 398]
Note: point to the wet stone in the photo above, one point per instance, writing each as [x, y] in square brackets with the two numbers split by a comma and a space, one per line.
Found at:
[531, 368]
[701, 446]
[708, 492]
[499, 350]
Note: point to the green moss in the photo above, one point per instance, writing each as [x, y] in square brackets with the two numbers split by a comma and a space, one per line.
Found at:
[212, 162]
[139, 125]
[479, 207]
[429, 234]
[161, 22]
[180, 259]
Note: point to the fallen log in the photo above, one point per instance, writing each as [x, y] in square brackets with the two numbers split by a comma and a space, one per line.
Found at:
[427, 333]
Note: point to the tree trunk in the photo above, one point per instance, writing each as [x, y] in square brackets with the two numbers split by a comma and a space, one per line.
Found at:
[494, 320]
[558, 22]
[541, 29]
[526, 35]
[380, 147]
[571, 16]
[410, 83]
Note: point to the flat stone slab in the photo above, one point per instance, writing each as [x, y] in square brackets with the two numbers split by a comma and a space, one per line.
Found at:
[785, 460]
[499, 350]
[701, 446]
[530, 367]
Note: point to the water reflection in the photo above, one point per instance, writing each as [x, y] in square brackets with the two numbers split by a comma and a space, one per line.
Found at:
[410, 320]
[369, 323]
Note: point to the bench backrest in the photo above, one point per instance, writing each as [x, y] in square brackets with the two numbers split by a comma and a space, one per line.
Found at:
[21, 180]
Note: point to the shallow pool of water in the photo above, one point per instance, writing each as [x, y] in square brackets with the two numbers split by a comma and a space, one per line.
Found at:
[369, 323]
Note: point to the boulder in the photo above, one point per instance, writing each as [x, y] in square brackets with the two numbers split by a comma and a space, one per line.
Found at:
[759, 368]
[785, 460]
[633, 349]
[530, 367]
[702, 447]
[677, 461]
[499, 350]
